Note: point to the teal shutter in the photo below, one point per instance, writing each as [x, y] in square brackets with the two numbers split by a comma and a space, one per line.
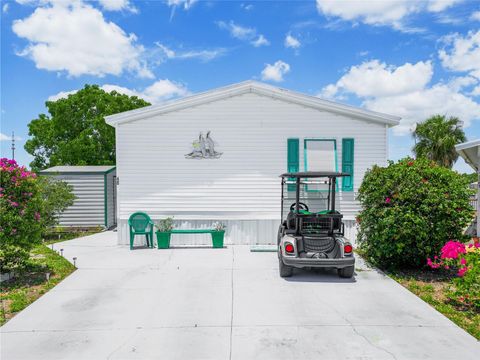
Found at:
[347, 164]
[293, 159]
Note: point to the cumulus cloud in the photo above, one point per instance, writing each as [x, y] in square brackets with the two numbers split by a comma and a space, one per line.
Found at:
[291, 42]
[405, 91]
[276, 71]
[244, 33]
[475, 16]
[204, 55]
[117, 5]
[86, 43]
[5, 8]
[157, 93]
[461, 53]
[384, 12]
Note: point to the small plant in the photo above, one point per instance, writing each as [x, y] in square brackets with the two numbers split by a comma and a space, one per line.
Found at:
[218, 226]
[465, 260]
[165, 225]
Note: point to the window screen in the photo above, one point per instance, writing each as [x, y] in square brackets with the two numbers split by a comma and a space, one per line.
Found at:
[320, 155]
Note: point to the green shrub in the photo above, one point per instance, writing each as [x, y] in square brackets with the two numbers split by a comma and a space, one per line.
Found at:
[56, 196]
[21, 215]
[409, 210]
[165, 225]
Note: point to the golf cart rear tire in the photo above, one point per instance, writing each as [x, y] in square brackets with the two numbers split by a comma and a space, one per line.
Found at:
[285, 271]
[346, 272]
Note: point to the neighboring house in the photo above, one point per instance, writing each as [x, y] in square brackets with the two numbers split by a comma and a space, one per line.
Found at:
[95, 192]
[470, 152]
[217, 156]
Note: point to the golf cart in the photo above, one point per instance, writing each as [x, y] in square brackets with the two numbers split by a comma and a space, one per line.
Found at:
[312, 236]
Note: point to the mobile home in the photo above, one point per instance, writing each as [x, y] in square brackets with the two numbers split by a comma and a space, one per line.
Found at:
[217, 156]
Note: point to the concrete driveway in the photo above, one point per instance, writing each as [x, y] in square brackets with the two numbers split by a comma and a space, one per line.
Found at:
[223, 304]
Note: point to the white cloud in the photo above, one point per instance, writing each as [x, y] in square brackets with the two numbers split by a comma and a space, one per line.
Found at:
[381, 12]
[441, 5]
[246, 7]
[276, 71]
[5, 8]
[186, 4]
[159, 92]
[291, 42]
[462, 53]
[4, 137]
[260, 41]
[204, 55]
[406, 91]
[374, 78]
[117, 5]
[475, 16]
[75, 38]
[243, 33]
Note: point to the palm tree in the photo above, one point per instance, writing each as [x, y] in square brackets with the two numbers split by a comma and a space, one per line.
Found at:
[436, 137]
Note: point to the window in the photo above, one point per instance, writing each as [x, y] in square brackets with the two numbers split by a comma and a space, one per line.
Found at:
[320, 155]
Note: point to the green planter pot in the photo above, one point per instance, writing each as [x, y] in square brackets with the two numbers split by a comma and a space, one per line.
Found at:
[217, 238]
[163, 239]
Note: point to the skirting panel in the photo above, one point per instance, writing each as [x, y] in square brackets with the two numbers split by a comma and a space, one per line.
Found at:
[238, 232]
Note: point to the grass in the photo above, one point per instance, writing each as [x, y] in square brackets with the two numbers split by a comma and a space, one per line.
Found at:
[18, 293]
[432, 288]
[63, 234]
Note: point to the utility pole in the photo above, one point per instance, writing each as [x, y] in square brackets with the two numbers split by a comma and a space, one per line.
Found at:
[13, 145]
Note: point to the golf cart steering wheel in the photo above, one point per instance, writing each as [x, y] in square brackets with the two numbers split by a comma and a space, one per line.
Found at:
[301, 205]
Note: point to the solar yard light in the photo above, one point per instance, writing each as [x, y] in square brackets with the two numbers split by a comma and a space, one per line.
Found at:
[74, 261]
[61, 252]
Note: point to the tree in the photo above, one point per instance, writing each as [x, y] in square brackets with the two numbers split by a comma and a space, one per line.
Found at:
[56, 196]
[75, 132]
[435, 139]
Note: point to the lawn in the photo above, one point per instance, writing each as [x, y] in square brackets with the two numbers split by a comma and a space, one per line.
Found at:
[431, 287]
[46, 270]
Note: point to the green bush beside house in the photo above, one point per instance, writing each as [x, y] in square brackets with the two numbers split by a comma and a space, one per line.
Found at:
[410, 209]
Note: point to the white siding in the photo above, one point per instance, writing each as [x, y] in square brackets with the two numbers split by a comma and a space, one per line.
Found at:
[88, 207]
[243, 185]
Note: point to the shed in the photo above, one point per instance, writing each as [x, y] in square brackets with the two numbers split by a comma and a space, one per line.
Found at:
[217, 156]
[470, 152]
[95, 191]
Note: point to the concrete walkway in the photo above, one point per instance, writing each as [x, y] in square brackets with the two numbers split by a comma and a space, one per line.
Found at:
[223, 304]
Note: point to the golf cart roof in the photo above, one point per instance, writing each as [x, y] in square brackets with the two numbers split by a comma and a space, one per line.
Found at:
[314, 174]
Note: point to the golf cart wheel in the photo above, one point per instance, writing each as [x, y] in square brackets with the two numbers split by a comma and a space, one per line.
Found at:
[285, 271]
[346, 272]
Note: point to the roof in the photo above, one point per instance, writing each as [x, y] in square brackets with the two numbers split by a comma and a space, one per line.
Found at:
[314, 174]
[256, 88]
[89, 169]
[470, 152]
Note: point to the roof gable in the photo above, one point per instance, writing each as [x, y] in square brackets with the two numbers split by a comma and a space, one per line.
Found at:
[256, 88]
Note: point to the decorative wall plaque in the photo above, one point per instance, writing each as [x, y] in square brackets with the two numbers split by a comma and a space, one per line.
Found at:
[203, 148]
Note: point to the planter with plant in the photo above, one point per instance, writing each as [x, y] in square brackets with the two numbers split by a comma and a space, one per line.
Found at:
[218, 234]
[164, 232]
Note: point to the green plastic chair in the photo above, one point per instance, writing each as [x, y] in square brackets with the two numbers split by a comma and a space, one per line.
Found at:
[140, 224]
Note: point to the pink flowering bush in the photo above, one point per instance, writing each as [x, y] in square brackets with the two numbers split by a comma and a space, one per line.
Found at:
[20, 215]
[410, 209]
[465, 261]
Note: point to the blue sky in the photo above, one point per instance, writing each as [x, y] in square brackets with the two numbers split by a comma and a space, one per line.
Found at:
[406, 58]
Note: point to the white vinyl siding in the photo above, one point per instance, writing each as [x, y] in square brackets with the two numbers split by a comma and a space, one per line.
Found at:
[243, 184]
